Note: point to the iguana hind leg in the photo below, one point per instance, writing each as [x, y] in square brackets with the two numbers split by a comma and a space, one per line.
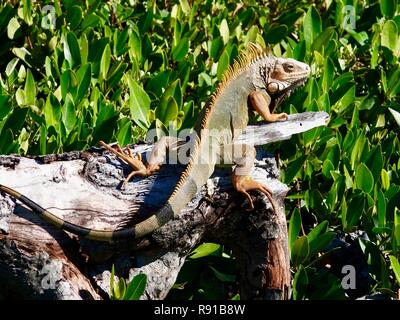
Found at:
[261, 102]
[157, 157]
[243, 157]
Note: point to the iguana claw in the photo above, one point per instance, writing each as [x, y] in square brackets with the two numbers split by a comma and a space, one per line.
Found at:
[244, 184]
[134, 161]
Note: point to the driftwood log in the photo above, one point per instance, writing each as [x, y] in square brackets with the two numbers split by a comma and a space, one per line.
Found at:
[40, 262]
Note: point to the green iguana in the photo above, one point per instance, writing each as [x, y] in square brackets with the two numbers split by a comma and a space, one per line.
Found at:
[256, 80]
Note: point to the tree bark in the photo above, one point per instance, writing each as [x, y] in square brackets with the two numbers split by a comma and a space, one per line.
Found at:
[38, 261]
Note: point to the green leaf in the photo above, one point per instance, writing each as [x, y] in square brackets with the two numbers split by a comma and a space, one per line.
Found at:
[393, 83]
[43, 139]
[139, 103]
[385, 179]
[314, 200]
[90, 20]
[75, 15]
[294, 168]
[312, 25]
[16, 120]
[251, 36]
[27, 11]
[205, 249]
[180, 51]
[105, 123]
[346, 100]
[84, 49]
[71, 50]
[105, 62]
[394, 263]
[185, 6]
[322, 39]
[354, 211]
[189, 119]
[13, 27]
[223, 276]
[135, 46]
[5, 106]
[116, 74]
[120, 289]
[84, 76]
[360, 37]
[294, 227]
[68, 114]
[6, 141]
[327, 167]
[321, 242]
[301, 250]
[173, 90]
[390, 37]
[388, 7]
[120, 44]
[52, 111]
[364, 178]
[396, 115]
[375, 162]
[23, 54]
[327, 77]
[224, 31]
[396, 230]
[223, 64]
[381, 209]
[357, 149]
[20, 97]
[11, 66]
[300, 283]
[125, 132]
[215, 48]
[112, 282]
[318, 230]
[65, 83]
[167, 112]
[136, 287]
[30, 89]
[276, 34]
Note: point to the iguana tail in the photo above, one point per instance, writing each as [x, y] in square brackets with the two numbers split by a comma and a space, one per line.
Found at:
[185, 190]
[153, 222]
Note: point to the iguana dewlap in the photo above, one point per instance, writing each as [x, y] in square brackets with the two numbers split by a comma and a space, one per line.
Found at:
[256, 80]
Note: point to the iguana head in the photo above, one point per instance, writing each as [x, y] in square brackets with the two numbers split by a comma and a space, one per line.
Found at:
[279, 76]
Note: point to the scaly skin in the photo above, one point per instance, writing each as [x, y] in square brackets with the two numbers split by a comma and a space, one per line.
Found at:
[258, 80]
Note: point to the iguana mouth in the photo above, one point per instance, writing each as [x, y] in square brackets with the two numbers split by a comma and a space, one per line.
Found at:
[280, 96]
[283, 94]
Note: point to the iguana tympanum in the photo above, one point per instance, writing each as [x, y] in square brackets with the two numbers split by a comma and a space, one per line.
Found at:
[256, 80]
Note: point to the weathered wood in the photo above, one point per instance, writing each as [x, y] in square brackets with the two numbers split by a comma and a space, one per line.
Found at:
[261, 133]
[39, 261]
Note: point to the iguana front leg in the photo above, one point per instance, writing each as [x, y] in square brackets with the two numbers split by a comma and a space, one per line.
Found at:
[243, 156]
[261, 102]
[157, 157]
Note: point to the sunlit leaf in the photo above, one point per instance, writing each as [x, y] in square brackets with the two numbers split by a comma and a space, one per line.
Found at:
[204, 250]
[364, 178]
[139, 103]
[136, 287]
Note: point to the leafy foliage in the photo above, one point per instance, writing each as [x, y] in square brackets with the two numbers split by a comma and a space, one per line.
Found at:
[131, 291]
[112, 70]
[208, 273]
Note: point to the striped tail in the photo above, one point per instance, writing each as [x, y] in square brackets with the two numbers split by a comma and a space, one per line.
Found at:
[139, 230]
[192, 179]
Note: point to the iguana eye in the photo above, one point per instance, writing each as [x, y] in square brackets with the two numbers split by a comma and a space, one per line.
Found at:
[288, 67]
